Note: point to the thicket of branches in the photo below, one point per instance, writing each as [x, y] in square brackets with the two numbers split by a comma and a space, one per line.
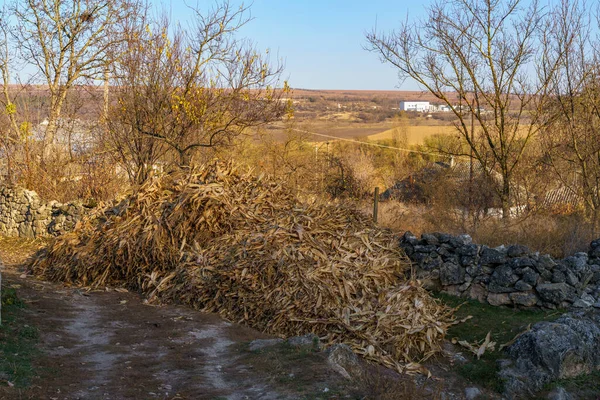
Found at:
[159, 93]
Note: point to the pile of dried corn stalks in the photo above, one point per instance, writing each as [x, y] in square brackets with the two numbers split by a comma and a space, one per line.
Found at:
[245, 247]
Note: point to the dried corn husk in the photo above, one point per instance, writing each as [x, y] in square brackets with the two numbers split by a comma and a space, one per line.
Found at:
[227, 242]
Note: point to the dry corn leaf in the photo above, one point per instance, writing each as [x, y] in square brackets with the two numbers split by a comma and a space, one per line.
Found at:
[224, 241]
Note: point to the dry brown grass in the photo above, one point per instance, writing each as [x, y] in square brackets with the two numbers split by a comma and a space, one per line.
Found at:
[557, 235]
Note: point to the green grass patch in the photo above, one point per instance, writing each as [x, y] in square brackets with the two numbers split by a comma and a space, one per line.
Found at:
[584, 386]
[17, 343]
[503, 323]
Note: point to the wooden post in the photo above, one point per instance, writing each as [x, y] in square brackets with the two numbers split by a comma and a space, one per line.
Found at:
[375, 204]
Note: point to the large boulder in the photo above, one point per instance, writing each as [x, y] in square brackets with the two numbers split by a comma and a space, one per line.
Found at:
[565, 348]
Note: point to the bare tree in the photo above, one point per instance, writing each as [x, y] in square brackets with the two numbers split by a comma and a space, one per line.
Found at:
[10, 133]
[67, 41]
[492, 55]
[572, 140]
[179, 90]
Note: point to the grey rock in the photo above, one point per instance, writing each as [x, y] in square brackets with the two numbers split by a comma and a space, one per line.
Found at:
[561, 266]
[582, 304]
[560, 394]
[571, 279]
[465, 239]
[517, 250]
[26, 231]
[503, 280]
[464, 286]
[520, 262]
[530, 276]
[478, 292]
[409, 238]
[485, 279]
[468, 250]
[430, 239]
[472, 393]
[523, 286]
[424, 248]
[589, 298]
[342, 360]
[451, 274]
[432, 262]
[553, 292]
[474, 270]
[595, 278]
[584, 301]
[558, 277]
[565, 348]
[545, 262]
[408, 249]
[418, 258]
[499, 299]
[546, 276]
[467, 261]
[443, 237]
[492, 257]
[446, 253]
[452, 290]
[524, 299]
[585, 277]
[462, 240]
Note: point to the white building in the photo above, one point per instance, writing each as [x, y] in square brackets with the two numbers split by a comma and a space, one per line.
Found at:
[419, 106]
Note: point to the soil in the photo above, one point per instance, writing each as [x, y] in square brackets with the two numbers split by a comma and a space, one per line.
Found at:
[110, 344]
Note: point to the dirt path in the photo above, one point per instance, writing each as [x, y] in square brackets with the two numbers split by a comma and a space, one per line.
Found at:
[110, 345]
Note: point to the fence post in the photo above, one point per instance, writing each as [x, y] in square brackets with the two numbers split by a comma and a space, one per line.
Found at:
[376, 204]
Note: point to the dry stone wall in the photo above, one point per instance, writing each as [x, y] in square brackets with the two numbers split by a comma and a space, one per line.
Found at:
[505, 275]
[24, 214]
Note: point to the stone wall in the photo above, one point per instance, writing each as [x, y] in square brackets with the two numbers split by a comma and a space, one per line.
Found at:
[24, 214]
[505, 275]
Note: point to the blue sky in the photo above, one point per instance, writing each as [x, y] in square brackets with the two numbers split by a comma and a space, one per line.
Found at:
[321, 41]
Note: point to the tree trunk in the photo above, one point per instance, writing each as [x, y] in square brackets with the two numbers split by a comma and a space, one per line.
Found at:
[56, 105]
[184, 159]
[505, 199]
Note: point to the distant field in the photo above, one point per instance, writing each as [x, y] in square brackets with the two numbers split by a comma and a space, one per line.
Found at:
[347, 130]
[415, 134]
[337, 128]
[355, 95]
